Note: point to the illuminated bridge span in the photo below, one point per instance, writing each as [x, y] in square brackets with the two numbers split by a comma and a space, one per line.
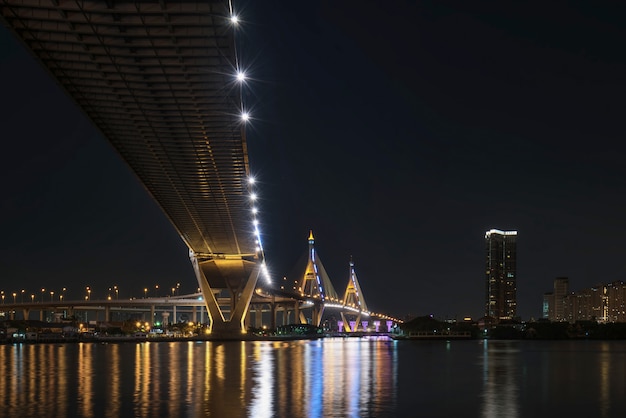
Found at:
[163, 83]
[161, 80]
[313, 293]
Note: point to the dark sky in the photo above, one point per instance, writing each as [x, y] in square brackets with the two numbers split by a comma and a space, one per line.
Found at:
[398, 133]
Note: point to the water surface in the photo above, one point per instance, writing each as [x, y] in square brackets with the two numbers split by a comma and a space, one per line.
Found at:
[333, 377]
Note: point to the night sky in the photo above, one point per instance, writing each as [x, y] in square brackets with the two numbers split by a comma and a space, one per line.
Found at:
[399, 134]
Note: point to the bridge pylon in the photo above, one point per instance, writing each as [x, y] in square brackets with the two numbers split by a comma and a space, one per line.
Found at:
[353, 298]
[316, 284]
[231, 278]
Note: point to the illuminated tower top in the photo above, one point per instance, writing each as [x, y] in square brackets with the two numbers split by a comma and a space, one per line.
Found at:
[354, 296]
[315, 281]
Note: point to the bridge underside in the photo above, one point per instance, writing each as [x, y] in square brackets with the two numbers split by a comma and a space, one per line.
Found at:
[158, 79]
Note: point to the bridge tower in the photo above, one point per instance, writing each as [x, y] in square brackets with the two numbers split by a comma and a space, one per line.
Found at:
[316, 284]
[354, 299]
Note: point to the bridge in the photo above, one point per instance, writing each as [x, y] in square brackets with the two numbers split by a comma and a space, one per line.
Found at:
[270, 307]
[163, 83]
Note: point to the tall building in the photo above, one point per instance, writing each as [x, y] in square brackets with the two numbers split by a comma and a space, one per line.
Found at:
[561, 290]
[501, 274]
[616, 301]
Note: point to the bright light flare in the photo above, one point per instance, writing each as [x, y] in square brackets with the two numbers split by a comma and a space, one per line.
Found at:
[234, 20]
[266, 272]
[241, 76]
[245, 116]
[253, 196]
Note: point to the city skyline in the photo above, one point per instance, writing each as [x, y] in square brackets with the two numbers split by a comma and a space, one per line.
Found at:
[399, 147]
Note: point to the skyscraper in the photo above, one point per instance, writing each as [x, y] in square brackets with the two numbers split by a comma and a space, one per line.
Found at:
[501, 272]
[561, 289]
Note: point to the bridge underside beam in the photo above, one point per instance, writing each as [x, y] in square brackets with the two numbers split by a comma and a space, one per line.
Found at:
[237, 277]
[158, 81]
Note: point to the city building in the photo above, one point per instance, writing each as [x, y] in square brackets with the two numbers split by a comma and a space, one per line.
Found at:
[600, 303]
[615, 296]
[586, 305]
[548, 305]
[561, 289]
[501, 274]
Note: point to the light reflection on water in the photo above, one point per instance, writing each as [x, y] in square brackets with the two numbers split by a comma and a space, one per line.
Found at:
[500, 379]
[331, 377]
[342, 377]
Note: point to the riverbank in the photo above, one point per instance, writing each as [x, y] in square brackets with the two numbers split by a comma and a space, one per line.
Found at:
[60, 339]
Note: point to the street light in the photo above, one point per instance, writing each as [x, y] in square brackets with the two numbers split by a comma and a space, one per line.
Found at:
[42, 292]
[14, 295]
[145, 292]
[173, 290]
[23, 290]
[156, 290]
[32, 298]
[88, 297]
[51, 296]
[117, 294]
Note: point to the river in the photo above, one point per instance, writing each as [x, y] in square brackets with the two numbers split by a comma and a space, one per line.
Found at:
[331, 377]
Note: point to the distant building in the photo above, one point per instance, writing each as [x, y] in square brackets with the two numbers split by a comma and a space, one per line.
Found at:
[601, 303]
[586, 305]
[548, 305]
[501, 274]
[615, 295]
[561, 289]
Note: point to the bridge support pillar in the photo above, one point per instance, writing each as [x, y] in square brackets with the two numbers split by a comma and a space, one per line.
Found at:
[241, 293]
[351, 326]
[273, 315]
[194, 314]
[296, 313]
[258, 316]
[174, 320]
[26, 313]
[318, 312]
[151, 321]
[41, 315]
[107, 313]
